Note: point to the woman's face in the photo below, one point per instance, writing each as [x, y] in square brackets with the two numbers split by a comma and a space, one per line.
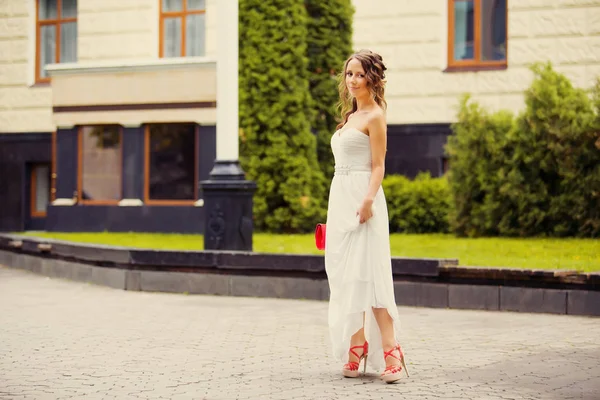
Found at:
[356, 81]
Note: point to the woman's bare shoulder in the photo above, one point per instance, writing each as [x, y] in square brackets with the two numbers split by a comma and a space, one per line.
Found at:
[377, 114]
[377, 117]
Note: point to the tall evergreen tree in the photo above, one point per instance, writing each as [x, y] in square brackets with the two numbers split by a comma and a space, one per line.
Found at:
[329, 44]
[276, 145]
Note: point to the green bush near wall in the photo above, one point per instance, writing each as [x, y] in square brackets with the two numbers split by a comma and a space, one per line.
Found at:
[477, 167]
[421, 205]
[536, 174]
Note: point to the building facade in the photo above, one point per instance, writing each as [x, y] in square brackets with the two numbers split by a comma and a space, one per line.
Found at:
[107, 114]
[108, 108]
[438, 49]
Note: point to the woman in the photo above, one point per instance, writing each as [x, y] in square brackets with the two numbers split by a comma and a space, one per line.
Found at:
[363, 318]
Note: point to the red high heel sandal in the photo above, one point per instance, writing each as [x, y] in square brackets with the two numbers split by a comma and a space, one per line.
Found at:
[393, 372]
[350, 369]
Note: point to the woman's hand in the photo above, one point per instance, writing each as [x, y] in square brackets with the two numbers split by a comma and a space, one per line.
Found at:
[365, 211]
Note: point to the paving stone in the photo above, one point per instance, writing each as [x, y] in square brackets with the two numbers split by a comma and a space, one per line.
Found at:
[133, 280]
[533, 300]
[582, 302]
[421, 294]
[474, 297]
[111, 277]
[63, 339]
[181, 282]
[278, 287]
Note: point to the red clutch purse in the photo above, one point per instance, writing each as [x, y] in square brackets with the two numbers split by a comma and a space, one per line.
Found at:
[320, 236]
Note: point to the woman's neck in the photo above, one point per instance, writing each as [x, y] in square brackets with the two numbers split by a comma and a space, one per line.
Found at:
[365, 103]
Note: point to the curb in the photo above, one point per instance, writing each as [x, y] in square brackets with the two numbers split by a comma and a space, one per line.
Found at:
[417, 282]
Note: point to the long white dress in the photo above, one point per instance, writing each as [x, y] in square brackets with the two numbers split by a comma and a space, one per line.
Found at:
[357, 256]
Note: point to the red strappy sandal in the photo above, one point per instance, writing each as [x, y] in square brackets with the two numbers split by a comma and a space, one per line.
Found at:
[393, 372]
[350, 369]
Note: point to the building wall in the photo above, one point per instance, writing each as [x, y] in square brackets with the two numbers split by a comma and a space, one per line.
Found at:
[410, 34]
[109, 31]
[123, 30]
[17, 154]
[122, 87]
[412, 37]
[23, 107]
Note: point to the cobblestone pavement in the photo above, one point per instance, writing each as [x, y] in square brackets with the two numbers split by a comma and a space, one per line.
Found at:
[61, 339]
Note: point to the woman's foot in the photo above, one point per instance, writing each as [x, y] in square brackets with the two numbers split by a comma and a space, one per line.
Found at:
[394, 357]
[355, 355]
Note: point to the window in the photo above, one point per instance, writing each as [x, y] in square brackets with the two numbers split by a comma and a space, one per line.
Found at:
[171, 163]
[100, 164]
[477, 34]
[40, 189]
[56, 25]
[182, 27]
[444, 165]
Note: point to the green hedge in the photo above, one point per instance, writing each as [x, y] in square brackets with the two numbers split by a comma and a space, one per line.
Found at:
[477, 168]
[537, 174]
[417, 206]
[329, 43]
[277, 148]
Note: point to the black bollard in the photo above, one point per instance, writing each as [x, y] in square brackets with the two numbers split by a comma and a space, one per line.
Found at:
[228, 203]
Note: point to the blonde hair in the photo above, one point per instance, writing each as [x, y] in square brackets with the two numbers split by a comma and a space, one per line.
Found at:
[374, 68]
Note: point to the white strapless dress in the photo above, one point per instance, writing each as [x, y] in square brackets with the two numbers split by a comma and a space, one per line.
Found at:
[357, 256]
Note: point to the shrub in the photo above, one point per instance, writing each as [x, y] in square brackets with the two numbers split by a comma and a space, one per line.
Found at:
[555, 163]
[276, 146]
[538, 174]
[417, 206]
[477, 161]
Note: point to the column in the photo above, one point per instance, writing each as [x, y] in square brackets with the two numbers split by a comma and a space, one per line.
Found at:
[227, 194]
[133, 165]
[67, 163]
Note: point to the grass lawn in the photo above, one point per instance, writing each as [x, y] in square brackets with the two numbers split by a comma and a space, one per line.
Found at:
[575, 254]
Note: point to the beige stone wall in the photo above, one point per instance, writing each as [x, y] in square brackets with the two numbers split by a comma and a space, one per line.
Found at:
[127, 29]
[108, 31]
[176, 80]
[410, 34]
[117, 29]
[412, 37]
[22, 108]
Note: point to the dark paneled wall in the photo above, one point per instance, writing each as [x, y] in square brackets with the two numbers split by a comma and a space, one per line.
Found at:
[208, 153]
[411, 149]
[416, 148]
[99, 218]
[66, 163]
[133, 163]
[17, 150]
[11, 196]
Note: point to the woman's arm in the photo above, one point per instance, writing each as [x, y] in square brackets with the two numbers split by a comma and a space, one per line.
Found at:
[378, 137]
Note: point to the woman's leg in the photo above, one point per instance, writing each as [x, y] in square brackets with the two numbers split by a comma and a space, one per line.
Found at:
[388, 338]
[355, 353]
[358, 339]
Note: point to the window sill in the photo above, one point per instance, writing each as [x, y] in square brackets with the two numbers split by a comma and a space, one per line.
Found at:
[98, 202]
[193, 203]
[90, 67]
[475, 68]
[44, 84]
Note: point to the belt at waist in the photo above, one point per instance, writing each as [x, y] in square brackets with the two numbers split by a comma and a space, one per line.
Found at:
[346, 169]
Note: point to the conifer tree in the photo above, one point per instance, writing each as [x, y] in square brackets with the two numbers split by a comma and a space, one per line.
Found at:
[329, 44]
[276, 144]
